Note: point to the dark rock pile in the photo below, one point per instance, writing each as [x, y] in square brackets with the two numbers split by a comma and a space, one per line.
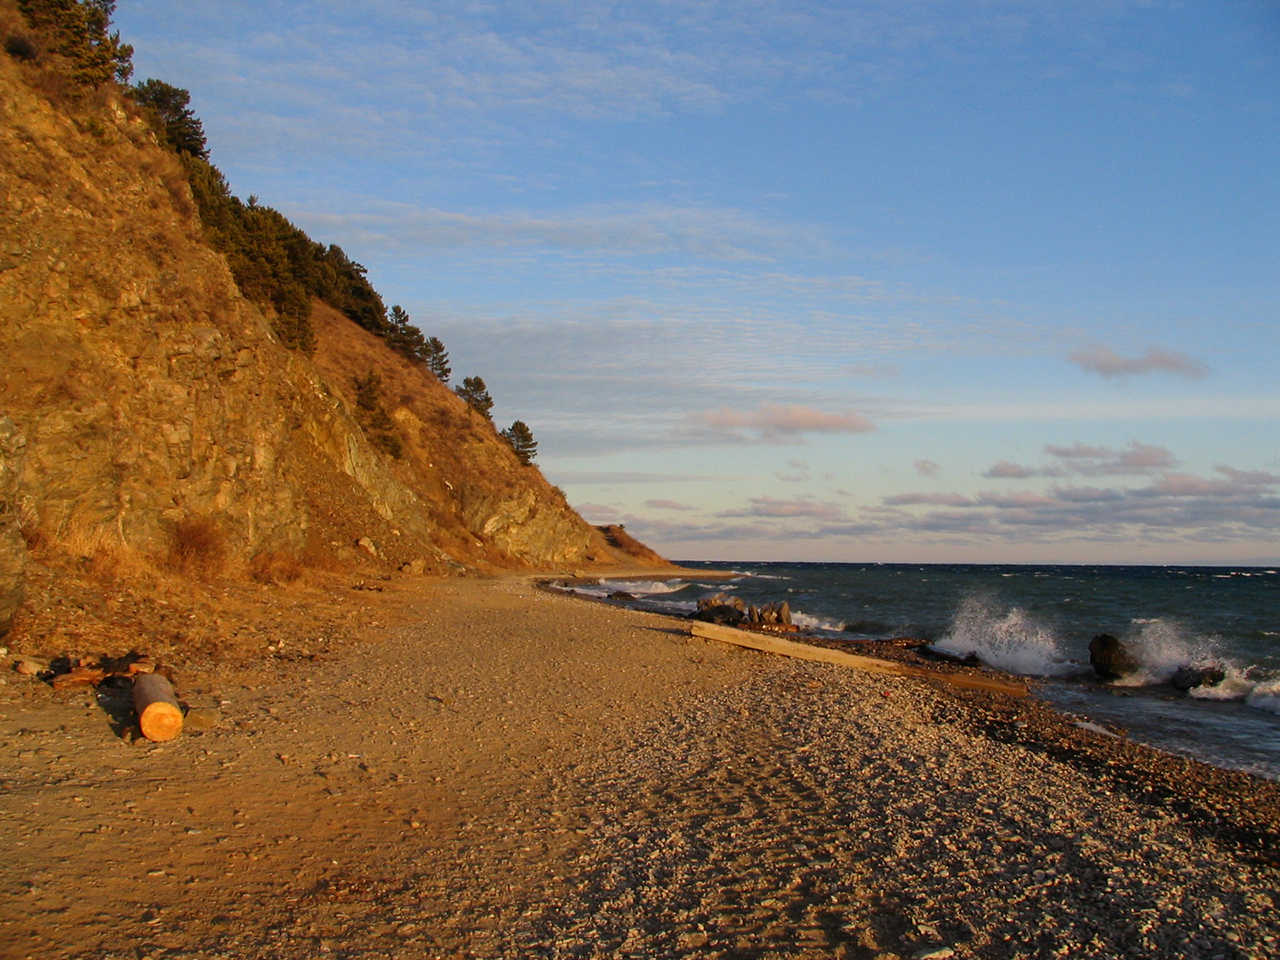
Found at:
[726, 609]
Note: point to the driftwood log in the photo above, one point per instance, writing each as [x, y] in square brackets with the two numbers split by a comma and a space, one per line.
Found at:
[805, 651]
[159, 714]
[86, 672]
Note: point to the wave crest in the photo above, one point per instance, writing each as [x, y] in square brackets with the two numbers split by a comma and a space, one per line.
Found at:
[1010, 639]
[1163, 646]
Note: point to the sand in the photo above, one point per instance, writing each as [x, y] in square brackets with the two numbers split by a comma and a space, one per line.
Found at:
[478, 768]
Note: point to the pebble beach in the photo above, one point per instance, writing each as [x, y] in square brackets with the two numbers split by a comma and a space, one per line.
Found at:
[478, 768]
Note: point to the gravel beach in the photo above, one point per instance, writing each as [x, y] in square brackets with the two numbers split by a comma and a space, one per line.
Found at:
[479, 768]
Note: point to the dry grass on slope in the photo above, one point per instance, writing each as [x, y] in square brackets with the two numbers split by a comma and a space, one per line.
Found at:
[450, 456]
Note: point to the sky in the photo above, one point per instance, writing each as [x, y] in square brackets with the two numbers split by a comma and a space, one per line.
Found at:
[900, 281]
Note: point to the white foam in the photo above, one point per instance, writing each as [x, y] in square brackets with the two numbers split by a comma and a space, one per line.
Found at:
[807, 622]
[1162, 645]
[1094, 727]
[638, 588]
[1010, 639]
[1233, 686]
[1265, 696]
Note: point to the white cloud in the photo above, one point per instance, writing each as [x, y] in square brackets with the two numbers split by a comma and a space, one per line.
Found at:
[927, 468]
[1107, 363]
[804, 507]
[1008, 470]
[668, 505]
[716, 234]
[774, 423]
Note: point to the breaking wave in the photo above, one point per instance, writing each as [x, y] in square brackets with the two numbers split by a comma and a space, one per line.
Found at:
[807, 622]
[1162, 647]
[1265, 696]
[1007, 638]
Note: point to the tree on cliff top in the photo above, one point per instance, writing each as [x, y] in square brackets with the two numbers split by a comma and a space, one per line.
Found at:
[474, 391]
[182, 129]
[77, 30]
[438, 359]
[521, 439]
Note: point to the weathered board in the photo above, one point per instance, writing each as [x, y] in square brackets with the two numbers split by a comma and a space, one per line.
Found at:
[804, 651]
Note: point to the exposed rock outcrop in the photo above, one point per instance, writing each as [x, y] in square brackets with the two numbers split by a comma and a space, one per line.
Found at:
[13, 554]
[141, 389]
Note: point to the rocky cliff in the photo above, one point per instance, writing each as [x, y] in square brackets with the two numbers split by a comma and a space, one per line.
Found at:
[147, 411]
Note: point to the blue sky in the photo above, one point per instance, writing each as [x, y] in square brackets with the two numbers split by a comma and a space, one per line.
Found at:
[895, 281]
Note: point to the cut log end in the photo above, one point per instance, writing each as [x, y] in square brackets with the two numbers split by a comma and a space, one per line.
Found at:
[159, 715]
[161, 721]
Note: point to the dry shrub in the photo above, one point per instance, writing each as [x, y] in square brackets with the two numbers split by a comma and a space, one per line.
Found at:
[275, 567]
[56, 87]
[99, 552]
[318, 554]
[198, 547]
[29, 524]
[21, 47]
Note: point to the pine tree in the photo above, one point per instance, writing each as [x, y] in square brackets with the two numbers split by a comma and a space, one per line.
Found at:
[521, 439]
[182, 129]
[437, 359]
[476, 394]
[78, 31]
[404, 337]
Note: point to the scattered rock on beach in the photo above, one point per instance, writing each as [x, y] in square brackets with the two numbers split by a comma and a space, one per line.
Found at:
[201, 718]
[771, 614]
[29, 667]
[722, 608]
[731, 611]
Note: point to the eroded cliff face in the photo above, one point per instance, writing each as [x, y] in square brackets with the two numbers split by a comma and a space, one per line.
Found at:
[140, 390]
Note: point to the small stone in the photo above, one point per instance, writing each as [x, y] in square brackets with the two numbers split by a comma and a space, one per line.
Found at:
[201, 718]
[934, 953]
[28, 667]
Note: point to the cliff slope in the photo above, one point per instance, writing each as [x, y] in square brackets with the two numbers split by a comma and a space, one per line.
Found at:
[147, 411]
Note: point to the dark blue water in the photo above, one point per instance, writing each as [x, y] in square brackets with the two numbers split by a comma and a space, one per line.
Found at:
[1038, 620]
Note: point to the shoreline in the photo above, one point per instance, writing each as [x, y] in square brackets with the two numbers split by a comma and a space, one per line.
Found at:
[1039, 724]
[478, 767]
[1222, 725]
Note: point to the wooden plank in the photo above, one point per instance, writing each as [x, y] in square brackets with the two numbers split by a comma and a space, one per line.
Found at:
[804, 651]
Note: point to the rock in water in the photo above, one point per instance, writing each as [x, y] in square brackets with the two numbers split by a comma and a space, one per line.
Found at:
[1110, 658]
[1188, 678]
